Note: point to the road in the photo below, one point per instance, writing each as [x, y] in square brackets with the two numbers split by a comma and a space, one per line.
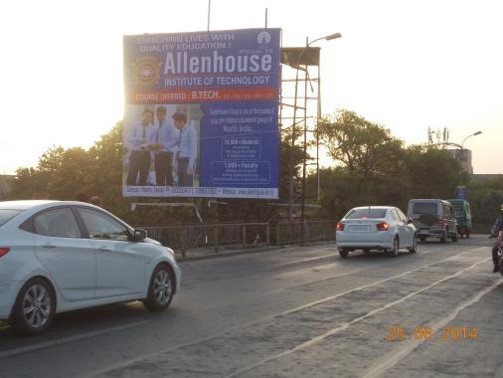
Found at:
[290, 312]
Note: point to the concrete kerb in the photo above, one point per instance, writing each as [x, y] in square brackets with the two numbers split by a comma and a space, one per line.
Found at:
[209, 253]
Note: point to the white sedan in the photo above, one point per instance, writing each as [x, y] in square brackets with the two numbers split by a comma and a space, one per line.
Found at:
[383, 228]
[58, 256]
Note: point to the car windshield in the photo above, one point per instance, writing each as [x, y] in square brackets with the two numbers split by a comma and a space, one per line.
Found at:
[425, 208]
[367, 213]
[7, 214]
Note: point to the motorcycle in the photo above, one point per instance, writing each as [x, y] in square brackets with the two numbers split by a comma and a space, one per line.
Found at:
[499, 255]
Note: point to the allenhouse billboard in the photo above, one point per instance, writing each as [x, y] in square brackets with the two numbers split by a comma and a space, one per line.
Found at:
[201, 114]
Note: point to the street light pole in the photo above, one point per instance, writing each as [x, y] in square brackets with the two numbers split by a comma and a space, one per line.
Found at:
[209, 14]
[306, 67]
[292, 146]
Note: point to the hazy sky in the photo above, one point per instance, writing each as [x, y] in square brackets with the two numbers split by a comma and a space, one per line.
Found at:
[404, 64]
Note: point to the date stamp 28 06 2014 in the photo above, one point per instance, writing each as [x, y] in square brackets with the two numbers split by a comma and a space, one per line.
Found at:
[427, 333]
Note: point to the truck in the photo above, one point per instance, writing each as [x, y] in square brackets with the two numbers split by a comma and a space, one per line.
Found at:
[463, 216]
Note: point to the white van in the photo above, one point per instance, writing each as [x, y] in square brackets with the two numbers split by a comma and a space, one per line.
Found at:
[433, 218]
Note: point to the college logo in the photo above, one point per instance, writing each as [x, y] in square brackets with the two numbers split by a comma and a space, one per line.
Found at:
[147, 71]
[263, 38]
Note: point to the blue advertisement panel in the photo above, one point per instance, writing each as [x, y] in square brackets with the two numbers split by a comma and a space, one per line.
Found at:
[201, 114]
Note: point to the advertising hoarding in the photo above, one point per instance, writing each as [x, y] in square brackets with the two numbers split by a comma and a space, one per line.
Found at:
[201, 114]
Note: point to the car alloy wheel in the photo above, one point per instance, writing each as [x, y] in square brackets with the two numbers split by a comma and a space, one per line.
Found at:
[160, 291]
[34, 308]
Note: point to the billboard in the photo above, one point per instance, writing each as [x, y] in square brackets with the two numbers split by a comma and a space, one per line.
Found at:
[201, 114]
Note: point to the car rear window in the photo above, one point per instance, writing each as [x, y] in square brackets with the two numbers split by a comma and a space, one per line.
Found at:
[366, 213]
[7, 214]
[424, 208]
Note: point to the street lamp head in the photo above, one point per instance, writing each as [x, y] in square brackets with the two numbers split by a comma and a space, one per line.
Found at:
[326, 38]
[474, 134]
[333, 36]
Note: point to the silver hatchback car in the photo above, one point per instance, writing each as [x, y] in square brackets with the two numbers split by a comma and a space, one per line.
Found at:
[59, 256]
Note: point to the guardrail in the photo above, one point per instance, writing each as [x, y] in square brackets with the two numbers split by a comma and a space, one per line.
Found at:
[246, 235]
[307, 232]
[181, 238]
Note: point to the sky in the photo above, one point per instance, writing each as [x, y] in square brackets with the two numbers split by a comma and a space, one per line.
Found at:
[407, 65]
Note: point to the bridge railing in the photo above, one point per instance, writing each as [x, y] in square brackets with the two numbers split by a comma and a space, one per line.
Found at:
[182, 238]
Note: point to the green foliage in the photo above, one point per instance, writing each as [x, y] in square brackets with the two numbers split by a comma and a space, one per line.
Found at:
[291, 159]
[372, 163]
[434, 173]
[71, 176]
[29, 183]
[373, 169]
[106, 171]
[51, 160]
[362, 147]
[33, 183]
[486, 198]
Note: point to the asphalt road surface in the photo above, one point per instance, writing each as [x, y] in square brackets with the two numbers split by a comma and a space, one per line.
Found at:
[291, 312]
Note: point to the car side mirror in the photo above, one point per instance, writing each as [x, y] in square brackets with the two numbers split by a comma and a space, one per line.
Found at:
[139, 234]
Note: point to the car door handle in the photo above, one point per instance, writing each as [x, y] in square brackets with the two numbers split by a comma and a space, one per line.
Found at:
[103, 248]
[49, 246]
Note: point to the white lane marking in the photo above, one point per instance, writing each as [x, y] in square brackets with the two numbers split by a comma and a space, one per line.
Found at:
[331, 265]
[132, 361]
[408, 348]
[68, 339]
[308, 259]
[329, 278]
[343, 327]
[371, 284]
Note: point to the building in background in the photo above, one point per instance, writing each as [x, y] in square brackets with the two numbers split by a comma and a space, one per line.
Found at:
[464, 157]
[440, 139]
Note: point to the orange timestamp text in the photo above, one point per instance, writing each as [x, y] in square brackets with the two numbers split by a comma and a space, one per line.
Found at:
[427, 333]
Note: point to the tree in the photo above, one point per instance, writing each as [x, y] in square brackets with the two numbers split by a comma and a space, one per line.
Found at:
[372, 158]
[291, 158]
[33, 183]
[106, 170]
[361, 146]
[486, 199]
[72, 176]
[50, 161]
[374, 169]
[28, 183]
[434, 172]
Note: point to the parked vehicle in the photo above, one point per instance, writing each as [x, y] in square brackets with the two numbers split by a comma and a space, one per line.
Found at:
[433, 218]
[58, 256]
[382, 228]
[463, 216]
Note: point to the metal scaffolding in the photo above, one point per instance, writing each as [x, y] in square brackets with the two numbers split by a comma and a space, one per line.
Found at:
[300, 110]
